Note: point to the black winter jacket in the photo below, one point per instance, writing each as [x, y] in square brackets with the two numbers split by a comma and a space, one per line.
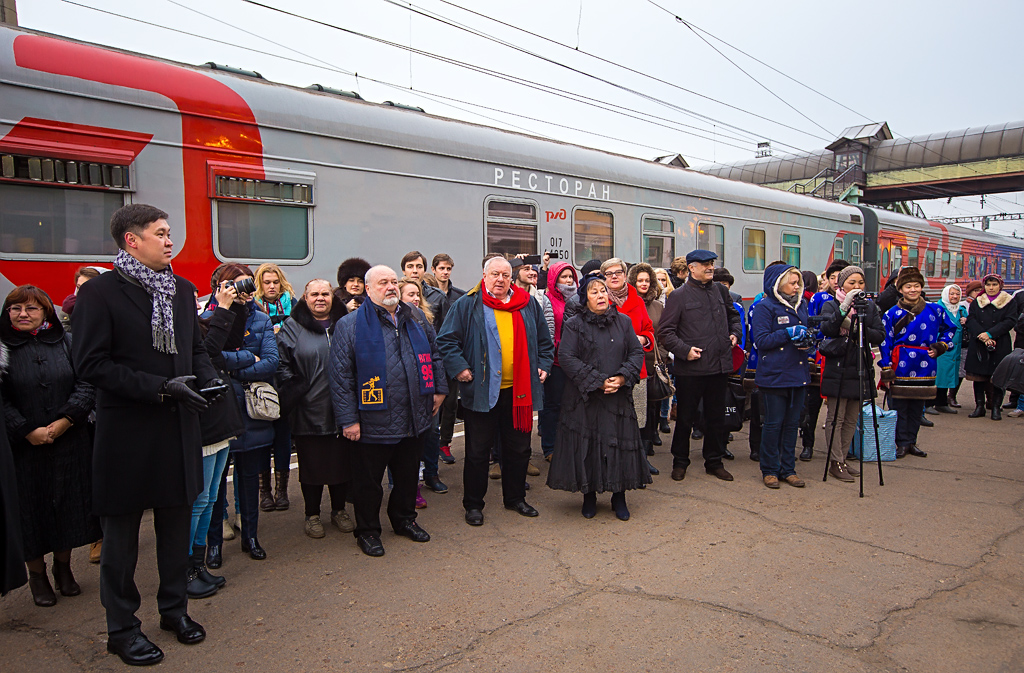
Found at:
[846, 368]
[304, 347]
[408, 413]
[997, 318]
[700, 315]
[223, 420]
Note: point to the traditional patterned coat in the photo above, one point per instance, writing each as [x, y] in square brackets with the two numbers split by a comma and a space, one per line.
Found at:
[904, 360]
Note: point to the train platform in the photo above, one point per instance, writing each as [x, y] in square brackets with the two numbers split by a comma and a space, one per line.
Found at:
[923, 574]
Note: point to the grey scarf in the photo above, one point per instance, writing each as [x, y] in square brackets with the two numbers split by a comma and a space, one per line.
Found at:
[161, 287]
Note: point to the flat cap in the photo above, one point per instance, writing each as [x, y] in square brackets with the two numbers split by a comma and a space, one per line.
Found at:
[700, 256]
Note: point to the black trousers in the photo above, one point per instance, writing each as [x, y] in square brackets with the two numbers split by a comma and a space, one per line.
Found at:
[908, 419]
[691, 391]
[809, 419]
[449, 409]
[481, 428]
[118, 592]
[369, 461]
[756, 421]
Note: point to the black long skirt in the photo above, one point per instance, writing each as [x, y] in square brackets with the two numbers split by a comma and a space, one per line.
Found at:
[323, 459]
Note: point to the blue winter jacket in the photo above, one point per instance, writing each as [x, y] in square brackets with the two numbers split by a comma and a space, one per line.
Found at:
[259, 342]
[780, 363]
[463, 343]
[408, 412]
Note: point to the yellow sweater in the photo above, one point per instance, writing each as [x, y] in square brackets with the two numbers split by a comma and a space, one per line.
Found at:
[505, 332]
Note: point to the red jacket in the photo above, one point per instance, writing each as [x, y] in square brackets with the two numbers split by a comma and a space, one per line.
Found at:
[635, 308]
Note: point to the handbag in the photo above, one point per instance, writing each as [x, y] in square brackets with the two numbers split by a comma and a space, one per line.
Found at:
[835, 348]
[262, 402]
[733, 410]
[659, 386]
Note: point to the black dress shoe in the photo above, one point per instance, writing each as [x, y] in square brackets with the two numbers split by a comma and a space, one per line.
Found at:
[653, 470]
[522, 508]
[370, 544]
[435, 484]
[696, 434]
[253, 549]
[474, 517]
[914, 451]
[135, 650]
[213, 557]
[927, 422]
[412, 530]
[728, 455]
[187, 631]
[755, 456]
[807, 454]
[901, 452]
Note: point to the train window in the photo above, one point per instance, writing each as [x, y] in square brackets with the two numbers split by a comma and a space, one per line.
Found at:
[753, 249]
[959, 265]
[839, 248]
[659, 241]
[47, 221]
[512, 227]
[712, 237]
[885, 261]
[791, 249]
[855, 252]
[912, 257]
[897, 258]
[972, 266]
[944, 269]
[262, 220]
[593, 234]
[929, 263]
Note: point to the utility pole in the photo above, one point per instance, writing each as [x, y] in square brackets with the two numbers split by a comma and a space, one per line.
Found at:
[9, 12]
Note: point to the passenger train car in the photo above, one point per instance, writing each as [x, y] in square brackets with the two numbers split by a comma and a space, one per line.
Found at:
[254, 171]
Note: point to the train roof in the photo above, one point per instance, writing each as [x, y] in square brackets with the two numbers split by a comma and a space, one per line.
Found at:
[288, 107]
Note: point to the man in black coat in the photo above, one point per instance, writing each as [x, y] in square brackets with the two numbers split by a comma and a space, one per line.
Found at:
[137, 340]
[700, 326]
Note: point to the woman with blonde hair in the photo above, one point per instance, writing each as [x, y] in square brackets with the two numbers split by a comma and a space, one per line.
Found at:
[274, 293]
[409, 295]
[664, 283]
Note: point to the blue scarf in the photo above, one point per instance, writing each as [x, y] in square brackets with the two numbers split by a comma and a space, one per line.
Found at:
[371, 360]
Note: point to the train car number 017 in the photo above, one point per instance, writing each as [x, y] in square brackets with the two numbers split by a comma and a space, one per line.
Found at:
[555, 249]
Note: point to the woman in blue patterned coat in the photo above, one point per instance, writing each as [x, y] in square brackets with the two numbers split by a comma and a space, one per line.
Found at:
[916, 334]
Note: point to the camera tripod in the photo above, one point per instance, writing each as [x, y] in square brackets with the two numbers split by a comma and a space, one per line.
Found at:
[855, 324]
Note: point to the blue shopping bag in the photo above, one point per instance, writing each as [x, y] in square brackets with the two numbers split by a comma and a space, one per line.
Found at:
[886, 434]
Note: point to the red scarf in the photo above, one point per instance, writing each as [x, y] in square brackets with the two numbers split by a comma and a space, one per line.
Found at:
[522, 378]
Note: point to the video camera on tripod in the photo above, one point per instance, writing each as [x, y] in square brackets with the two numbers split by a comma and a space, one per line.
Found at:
[810, 338]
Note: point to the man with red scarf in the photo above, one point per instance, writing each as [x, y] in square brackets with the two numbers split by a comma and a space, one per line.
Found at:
[496, 342]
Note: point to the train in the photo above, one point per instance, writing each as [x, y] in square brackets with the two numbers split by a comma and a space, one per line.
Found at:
[253, 171]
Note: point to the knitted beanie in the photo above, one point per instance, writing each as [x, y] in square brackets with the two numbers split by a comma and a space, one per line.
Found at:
[849, 271]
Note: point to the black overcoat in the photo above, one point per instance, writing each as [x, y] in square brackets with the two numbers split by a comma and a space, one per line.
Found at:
[997, 318]
[12, 558]
[223, 420]
[148, 450]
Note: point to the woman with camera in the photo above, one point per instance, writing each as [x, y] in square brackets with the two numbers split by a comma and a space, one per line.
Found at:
[779, 329]
[843, 319]
[254, 361]
[989, 321]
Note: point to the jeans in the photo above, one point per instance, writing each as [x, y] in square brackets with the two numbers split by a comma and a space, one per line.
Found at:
[202, 508]
[756, 421]
[666, 404]
[782, 407]
[431, 449]
[908, 419]
[690, 391]
[554, 387]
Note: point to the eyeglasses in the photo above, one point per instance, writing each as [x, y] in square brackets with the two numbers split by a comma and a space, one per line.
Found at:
[614, 274]
[16, 309]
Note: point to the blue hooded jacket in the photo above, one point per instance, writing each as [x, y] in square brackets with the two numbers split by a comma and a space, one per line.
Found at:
[780, 363]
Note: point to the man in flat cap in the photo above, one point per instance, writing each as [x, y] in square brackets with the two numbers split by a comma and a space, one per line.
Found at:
[700, 326]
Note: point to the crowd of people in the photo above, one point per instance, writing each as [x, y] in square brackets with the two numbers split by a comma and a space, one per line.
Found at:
[136, 396]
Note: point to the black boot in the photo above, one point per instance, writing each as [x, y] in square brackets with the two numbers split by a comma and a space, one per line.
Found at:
[199, 561]
[806, 454]
[64, 579]
[997, 415]
[198, 587]
[979, 411]
[214, 557]
[656, 440]
[42, 592]
[589, 505]
[648, 447]
[664, 427]
[654, 471]
[619, 505]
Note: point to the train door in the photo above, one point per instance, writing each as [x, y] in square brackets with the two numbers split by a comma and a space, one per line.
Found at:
[885, 259]
[658, 247]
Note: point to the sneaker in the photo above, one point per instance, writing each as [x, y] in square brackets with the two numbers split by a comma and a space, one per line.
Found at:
[342, 521]
[314, 527]
[228, 531]
[771, 481]
[794, 480]
[1016, 413]
[421, 502]
[532, 470]
[495, 471]
[446, 455]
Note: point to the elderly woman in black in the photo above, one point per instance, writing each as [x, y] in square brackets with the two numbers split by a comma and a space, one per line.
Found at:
[46, 413]
[598, 446]
[989, 320]
[304, 345]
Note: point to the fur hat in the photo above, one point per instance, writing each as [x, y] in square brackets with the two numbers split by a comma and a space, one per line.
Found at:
[847, 272]
[909, 274]
[354, 267]
[836, 265]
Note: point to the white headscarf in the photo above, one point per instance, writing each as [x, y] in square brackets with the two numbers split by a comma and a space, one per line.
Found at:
[949, 306]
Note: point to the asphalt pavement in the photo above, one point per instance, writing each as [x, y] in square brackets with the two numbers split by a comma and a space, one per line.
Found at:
[925, 573]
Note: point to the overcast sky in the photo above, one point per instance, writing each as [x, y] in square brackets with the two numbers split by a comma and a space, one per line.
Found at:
[922, 66]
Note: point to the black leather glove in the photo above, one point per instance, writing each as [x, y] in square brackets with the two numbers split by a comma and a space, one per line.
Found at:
[214, 383]
[179, 390]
